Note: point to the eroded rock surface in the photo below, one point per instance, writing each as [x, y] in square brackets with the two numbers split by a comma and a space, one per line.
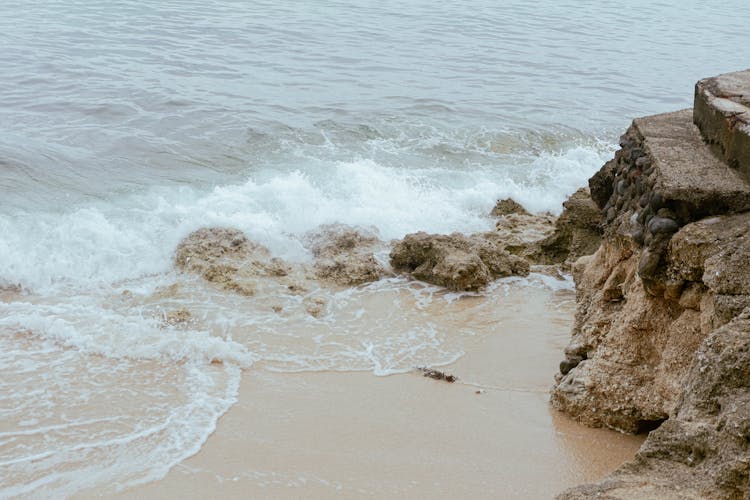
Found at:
[703, 450]
[344, 255]
[227, 258]
[456, 261]
[661, 338]
[645, 300]
[506, 207]
[521, 234]
[577, 232]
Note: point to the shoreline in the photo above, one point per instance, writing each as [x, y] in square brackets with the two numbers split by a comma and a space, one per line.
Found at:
[353, 434]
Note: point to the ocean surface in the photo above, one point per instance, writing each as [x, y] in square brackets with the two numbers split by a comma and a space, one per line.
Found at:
[126, 125]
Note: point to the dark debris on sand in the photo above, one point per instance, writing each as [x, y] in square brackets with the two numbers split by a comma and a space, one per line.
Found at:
[437, 374]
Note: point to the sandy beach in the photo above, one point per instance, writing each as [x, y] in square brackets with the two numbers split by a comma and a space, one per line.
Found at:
[352, 434]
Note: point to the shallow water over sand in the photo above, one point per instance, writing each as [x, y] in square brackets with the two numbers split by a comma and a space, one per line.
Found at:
[90, 410]
[353, 435]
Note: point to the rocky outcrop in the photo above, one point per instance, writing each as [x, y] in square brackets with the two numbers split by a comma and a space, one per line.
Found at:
[577, 232]
[544, 239]
[344, 255]
[520, 240]
[227, 258]
[644, 300]
[521, 234]
[506, 207]
[660, 339]
[456, 261]
[703, 450]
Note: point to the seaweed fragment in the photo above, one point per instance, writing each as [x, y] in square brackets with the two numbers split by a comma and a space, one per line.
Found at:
[437, 374]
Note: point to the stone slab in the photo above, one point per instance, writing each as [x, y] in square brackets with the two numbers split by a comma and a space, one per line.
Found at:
[722, 113]
[686, 169]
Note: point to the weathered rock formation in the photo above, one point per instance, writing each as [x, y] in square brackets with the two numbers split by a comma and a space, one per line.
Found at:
[456, 261]
[703, 450]
[577, 232]
[227, 258]
[546, 240]
[660, 337]
[506, 207]
[521, 233]
[520, 240]
[344, 255]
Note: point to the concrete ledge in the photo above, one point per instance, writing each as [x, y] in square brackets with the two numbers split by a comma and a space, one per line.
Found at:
[722, 113]
[685, 168]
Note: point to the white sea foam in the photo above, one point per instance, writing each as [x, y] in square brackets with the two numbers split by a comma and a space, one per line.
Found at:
[75, 421]
[93, 329]
[133, 236]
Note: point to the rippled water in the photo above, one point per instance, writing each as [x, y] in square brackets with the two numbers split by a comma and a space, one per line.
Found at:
[126, 125]
[103, 97]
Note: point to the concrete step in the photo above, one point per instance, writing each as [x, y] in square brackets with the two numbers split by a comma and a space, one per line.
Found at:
[686, 170]
[722, 113]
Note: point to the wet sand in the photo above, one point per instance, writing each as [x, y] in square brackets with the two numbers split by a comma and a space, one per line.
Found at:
[352, 434]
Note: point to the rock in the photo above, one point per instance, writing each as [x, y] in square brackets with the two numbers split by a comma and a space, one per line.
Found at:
[228, 259]
[332, 239]
[315, 306]
[521, 234]
[722, 113]
[9, 291]
[569, 363]
[665, 317]
[728, 270]
[703, 449]
[206, 246]
[577, 232]
[456, 261]
[714, 250]
[631, 300]
[662, 225]
[344, 254]
[637, 347]
[178, 318]
[648, 263]
[600, 185]
[506, 207]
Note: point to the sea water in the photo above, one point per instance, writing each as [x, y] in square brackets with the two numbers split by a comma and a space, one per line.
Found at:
[126, 125]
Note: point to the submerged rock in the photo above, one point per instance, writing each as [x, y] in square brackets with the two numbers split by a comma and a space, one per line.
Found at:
[178, 318]
[9, 291]
[456, 261]
[344, 254]
[315, 306]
